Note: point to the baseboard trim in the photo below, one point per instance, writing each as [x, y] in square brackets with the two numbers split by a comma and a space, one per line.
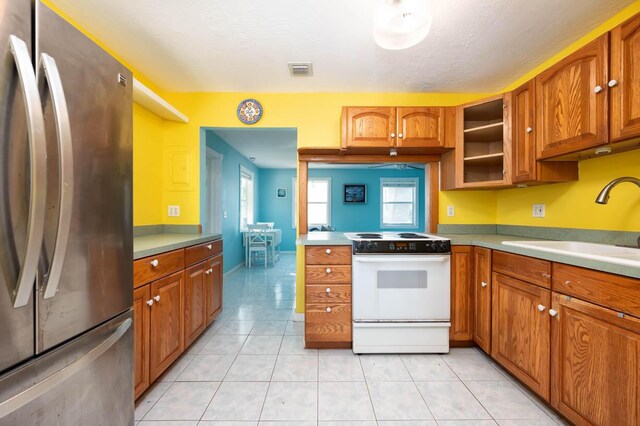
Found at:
[298, 316]
[288, 252]
[233, 270]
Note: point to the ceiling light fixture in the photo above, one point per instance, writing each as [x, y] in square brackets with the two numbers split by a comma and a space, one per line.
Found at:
[400, 24]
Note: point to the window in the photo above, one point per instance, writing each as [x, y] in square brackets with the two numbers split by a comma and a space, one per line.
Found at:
[399, 207]
[319, 202]
[246, 197]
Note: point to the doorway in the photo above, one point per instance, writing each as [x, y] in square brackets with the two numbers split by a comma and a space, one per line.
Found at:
[213, 188]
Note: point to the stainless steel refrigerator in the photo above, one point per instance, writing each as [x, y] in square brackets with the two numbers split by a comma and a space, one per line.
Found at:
[66, 338]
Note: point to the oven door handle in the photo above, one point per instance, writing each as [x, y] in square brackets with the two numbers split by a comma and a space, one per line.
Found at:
[395, 259]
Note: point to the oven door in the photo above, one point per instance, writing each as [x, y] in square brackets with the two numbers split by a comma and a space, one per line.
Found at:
[401, 288]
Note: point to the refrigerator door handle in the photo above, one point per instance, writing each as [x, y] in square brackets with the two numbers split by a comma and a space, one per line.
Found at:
[23, 398]
[65, 148]
[38, 173]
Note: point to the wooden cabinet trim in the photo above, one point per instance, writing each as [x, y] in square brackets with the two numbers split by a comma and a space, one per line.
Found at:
[141, 319]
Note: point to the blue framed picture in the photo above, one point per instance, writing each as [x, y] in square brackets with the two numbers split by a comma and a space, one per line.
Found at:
[355, 193]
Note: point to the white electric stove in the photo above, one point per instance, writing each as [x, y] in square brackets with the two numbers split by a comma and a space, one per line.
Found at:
[401, 293]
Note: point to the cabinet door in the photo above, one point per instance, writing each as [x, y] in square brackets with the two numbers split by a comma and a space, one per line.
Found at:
[166, 325]
[141, 312]
[482, 299]
[625, 74]
[214, 288]
[461, 293]
[595, 364]
[572, 102]
[521, 334]
[195, 319]
[420, 127]
[368, 127]
[524, 144]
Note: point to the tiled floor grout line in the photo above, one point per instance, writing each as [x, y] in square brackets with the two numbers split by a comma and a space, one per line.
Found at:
[366, 383]
[416, 386]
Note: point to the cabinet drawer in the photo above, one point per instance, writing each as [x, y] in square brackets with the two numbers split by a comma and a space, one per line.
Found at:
[330, 293]
[328, 255]
[612, 291]
[144, 270]
[340, 274]
[535, 271]
[328, 322]
[195, 254]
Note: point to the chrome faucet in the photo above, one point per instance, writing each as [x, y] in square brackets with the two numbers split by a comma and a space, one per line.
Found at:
[603, 196]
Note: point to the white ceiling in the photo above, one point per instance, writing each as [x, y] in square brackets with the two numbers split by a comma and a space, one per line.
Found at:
[244, 46]
[272, 148]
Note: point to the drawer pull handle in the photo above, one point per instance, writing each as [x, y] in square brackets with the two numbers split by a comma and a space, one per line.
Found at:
[553, 312]
[150, 302]
[156, 298]
[328, 270]
[328, 309]
[541, 308]
[155, 263]
[545, 275]
[483, 284]
[328, 251]
[328, 290]
[567, 282]
[209, 247]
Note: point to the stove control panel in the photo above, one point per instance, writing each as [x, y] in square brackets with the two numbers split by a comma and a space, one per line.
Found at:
[402, 247]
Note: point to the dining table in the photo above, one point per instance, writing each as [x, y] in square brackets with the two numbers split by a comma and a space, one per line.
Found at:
[274, 235]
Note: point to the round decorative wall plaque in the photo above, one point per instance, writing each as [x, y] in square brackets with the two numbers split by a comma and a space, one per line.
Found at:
[249, 111]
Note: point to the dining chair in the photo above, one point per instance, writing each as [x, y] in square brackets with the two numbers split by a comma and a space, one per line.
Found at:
[270, 225]
[258, 242]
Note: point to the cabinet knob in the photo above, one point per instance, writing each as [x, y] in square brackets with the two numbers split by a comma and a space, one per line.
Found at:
[155, 263]
[568, 282]
[597, 89]
[553, 312]
[208, 271]
[393, 135]
[328, 251]
[529, 130]
[483, 284]
[150, 302]
[328, 309]
[545, 275]
[612, 83]
[328, 270]
[541, 308]
[328, 290]
[209, 247]
[156, 298]
[400, 135]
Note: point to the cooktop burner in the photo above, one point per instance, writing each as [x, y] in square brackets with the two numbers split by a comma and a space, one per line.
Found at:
[414, 236]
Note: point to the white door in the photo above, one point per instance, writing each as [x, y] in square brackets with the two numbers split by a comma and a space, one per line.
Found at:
[401, 288]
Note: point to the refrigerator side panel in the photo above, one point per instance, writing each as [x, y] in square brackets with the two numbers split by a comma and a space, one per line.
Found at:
[95, 282]
[87, 381]
[16, 324]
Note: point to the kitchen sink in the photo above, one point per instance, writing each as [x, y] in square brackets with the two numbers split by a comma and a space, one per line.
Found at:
[628, 256]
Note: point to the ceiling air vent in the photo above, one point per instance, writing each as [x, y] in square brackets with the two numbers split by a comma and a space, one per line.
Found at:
[300, 69]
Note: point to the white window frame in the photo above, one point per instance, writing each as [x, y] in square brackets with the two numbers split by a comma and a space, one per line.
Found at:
[251, 202]
[416, 183]
[294, 205]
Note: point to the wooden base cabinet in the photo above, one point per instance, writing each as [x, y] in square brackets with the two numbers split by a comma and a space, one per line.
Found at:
[595, 364]
[521, 331]
[213, 289]
[166, 324]
[482, 298]
[461, 294]
[141, 315]
[195, 320]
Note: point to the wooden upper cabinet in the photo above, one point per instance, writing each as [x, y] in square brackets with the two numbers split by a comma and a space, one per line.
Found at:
[520, 339]
[482, 298]
[166, 331]
[461, 293]
[213, 289]
[524, 143]
[625, 80]
[572, 102]
[595, 364]
[141, 311]
[368, 127]
[420, 127]
[195, 319]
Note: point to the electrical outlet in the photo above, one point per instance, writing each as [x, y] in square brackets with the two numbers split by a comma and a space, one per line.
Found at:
[174, 211]
[537, 210]
[451, 211]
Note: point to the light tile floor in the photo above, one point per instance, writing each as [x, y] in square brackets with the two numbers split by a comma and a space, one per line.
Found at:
[250, 368]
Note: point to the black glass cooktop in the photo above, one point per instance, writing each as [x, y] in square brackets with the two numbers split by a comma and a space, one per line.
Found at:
[413, 235]
[369, 236]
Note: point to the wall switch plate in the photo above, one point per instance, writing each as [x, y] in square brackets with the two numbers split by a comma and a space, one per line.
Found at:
[174, 211]
[451, 211]
[537, 210]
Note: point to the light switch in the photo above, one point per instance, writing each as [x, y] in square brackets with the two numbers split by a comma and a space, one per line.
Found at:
[174, 211]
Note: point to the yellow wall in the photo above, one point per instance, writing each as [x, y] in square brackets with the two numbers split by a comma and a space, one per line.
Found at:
[147, 167]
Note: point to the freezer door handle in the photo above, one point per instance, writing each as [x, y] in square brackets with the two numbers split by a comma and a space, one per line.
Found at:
[65, 148]
[38, 172]
[23, 398]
